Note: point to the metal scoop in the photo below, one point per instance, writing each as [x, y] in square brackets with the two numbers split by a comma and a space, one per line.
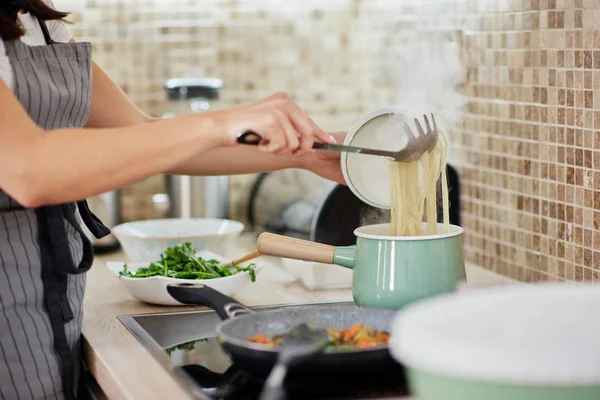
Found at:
[299, 344]
[416, 145]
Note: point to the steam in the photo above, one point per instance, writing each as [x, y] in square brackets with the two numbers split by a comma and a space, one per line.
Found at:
[429, 75]
[424, 60]
[424, 64]
[374, 216]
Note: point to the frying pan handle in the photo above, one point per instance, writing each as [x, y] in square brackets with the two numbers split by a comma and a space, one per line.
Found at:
[201, 295]
[269, 244]
[249, 137]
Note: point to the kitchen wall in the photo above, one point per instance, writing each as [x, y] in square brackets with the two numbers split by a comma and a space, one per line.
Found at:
[526, 73]
[530, 142]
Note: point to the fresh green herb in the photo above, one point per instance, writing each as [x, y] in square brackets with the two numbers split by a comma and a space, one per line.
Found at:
[185, 346]
[181, 262]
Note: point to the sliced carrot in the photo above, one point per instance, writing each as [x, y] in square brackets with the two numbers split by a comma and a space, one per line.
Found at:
[355, 329]
[345, 336]
[382, 337]
[260, 338]
[366, 343]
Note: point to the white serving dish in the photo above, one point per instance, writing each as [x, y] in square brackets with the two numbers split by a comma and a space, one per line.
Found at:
[368, 176]
[317, 276]
[154, 290]
[146, 240]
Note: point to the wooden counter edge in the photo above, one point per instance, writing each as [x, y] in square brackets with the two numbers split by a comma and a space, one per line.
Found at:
[121, 365]
[123, 368]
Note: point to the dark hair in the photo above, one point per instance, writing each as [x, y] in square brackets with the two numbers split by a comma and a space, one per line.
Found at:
[10, 30]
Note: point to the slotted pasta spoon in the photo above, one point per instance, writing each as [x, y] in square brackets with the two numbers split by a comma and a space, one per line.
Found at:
[416, 145]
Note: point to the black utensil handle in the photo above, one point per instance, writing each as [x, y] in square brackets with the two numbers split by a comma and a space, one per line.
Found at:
[201, 295]
[249, 137]
[210, 379]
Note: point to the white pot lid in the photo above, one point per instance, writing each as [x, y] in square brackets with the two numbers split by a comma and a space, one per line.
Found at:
[368, 176]
[546, 334]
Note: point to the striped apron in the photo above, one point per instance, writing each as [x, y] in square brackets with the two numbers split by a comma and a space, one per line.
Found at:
[44, 253]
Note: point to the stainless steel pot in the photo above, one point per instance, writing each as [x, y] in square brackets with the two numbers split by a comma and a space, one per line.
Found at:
[187, 196]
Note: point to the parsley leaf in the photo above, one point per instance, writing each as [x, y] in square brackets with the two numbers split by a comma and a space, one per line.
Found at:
[181, 262]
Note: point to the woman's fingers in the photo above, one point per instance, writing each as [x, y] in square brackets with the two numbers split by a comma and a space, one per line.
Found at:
[290, 134]
[306, 126]
[285, 128]
[305, 132]
[279, 136]
[271, 130]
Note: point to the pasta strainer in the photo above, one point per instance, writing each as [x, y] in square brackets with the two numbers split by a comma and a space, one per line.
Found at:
[389, 128]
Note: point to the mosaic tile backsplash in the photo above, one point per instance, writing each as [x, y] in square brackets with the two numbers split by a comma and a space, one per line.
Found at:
[518, 82]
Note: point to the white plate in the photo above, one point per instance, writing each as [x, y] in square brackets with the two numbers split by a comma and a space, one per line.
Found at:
[154, 290]
[368, 176]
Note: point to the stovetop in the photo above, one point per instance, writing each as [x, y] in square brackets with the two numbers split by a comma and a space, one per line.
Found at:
[185, 344]
[211, 369]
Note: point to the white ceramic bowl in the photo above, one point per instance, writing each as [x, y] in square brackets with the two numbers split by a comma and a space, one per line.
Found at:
[154, 290]
[368, 176]
[146, 240]
[317, 276]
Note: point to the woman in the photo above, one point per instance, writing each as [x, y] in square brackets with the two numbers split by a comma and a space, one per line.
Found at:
[68, 132]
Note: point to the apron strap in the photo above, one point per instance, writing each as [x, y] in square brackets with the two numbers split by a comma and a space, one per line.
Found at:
[51, 231]
[45, 31]
[93, 223]
[57, 264]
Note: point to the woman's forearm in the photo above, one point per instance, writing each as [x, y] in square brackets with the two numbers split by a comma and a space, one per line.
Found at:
[110, 107]
[70, 164]
[235, 161]
[119, 146]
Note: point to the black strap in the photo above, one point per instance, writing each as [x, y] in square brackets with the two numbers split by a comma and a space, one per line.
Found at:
[93, 223]
[55, 283]
[45, 31]
[57, 264]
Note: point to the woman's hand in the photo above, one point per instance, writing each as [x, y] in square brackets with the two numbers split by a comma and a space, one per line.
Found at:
[327, 164]
[282, 125]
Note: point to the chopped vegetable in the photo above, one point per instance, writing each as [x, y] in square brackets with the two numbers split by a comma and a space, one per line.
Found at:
[181, 262]
[355, 337]
[185, 346]
[260, 338]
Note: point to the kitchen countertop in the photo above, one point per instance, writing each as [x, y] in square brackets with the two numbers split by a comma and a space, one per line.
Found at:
[121, 365]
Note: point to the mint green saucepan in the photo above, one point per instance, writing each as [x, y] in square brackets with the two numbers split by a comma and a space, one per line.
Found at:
[389, 271]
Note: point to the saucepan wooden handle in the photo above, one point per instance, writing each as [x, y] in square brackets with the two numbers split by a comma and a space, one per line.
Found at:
[286, 247]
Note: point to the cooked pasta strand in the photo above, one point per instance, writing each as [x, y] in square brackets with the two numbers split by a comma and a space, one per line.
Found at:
[414, 193]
